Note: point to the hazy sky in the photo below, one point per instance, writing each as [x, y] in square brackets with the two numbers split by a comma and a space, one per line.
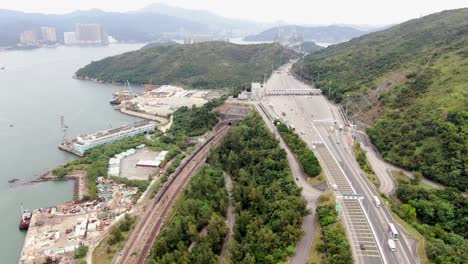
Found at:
[376, 12]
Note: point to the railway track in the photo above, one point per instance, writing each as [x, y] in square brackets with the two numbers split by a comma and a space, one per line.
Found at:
[139, 244]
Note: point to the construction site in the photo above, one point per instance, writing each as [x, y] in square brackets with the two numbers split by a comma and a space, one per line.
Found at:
[162, 101]
[54, 233]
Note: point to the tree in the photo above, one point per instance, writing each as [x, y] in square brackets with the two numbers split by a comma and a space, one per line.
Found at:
[81, 252]
[417, 177]
[407, 212]
[217, 230]
[116, 236]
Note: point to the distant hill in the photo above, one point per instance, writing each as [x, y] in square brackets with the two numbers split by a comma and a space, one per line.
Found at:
[308, 47]
[141, 27]
[159, 44]
[325, 34]
[410, 83]
[201, 65]
[214, 22]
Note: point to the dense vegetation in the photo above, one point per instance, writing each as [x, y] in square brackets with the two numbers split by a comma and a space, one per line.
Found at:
[200, 65]
[304, 154]
[441, 217]
[203, 207]
[269, 207]
[195, 121]
[334, 243]
[410, 83]
[361, 158]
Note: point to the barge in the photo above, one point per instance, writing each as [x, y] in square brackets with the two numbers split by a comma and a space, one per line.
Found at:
[25, 219]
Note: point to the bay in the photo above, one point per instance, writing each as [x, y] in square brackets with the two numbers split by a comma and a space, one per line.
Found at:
[36, 89]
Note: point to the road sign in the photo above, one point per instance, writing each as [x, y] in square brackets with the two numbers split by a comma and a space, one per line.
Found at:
[350, 197]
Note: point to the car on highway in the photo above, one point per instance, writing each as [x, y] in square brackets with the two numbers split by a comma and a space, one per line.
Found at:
[391, 245]
[376, 201]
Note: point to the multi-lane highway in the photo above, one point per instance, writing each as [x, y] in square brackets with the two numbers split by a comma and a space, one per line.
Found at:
[319, 122]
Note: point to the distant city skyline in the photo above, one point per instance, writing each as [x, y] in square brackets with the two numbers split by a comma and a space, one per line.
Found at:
[84, 34]
[360, 12]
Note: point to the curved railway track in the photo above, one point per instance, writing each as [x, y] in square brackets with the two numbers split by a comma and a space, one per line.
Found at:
[139, 244]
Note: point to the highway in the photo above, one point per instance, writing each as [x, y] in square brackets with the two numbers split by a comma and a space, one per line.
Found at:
[318, 122]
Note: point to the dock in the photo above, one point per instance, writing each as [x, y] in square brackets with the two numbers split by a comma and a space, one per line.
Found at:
[79, 145]
[68, 147]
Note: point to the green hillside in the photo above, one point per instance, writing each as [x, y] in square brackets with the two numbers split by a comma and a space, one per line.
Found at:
[410, 84]
[201, 65]
[308, 47]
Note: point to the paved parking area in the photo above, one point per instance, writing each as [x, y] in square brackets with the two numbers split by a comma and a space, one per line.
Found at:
[128, 168]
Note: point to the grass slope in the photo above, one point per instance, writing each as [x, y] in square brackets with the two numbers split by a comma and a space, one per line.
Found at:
[410, 83]
[203, 65]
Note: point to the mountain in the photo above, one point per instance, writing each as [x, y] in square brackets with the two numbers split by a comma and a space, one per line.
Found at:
[325, 34]
[409, 83]
[214, 22]
[200, 65]
[139, 27]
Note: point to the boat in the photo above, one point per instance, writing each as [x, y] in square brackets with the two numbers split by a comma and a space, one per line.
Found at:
[25, 218]
[2, 68]
[122, 95]
[13, 180]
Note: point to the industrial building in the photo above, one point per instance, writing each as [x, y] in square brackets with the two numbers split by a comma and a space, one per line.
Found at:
[80, 144]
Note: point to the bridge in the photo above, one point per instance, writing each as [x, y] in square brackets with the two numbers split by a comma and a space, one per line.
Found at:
[283, 92]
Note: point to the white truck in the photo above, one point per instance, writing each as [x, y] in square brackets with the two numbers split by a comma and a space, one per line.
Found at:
[391, 245]
[393, 231]
[376, 201]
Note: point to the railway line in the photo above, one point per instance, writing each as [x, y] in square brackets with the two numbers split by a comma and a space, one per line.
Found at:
[138, 246]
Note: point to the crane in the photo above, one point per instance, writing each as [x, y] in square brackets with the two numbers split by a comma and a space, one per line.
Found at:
[64, 129]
